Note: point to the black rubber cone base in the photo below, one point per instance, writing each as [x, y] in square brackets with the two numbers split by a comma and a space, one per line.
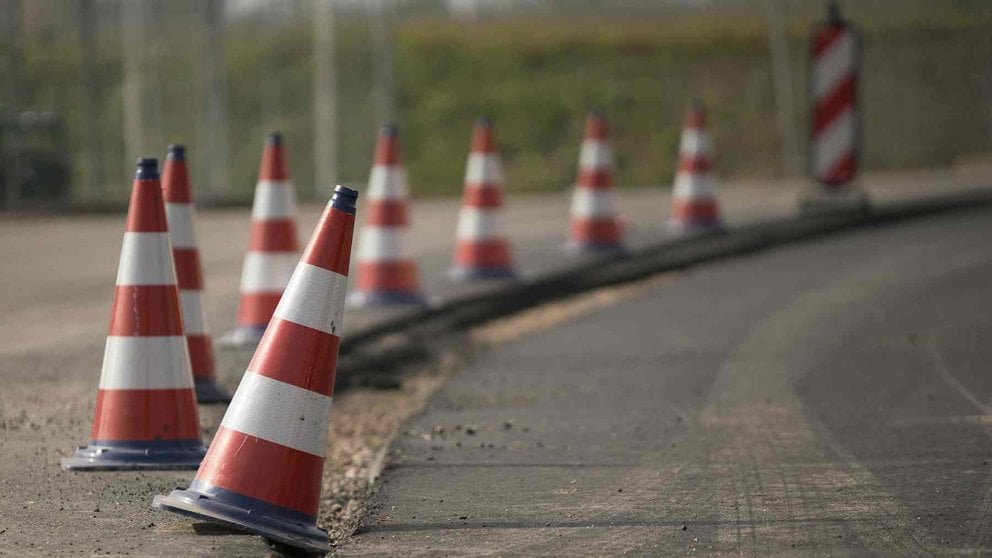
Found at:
[208, 392]
[96, 457]
[305, 538]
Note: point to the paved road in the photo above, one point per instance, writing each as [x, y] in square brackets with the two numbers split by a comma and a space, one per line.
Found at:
[831, 397]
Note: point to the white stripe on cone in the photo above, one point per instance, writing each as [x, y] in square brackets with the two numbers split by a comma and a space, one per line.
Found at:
[834, 65]
[274, 199]
[180, 219]
[475, 223]
[834, 143]
[313, 299]
[146, 259]
[484, 169]
[193, 321]
[596, 155]
[267, 271]
[387, 183]
[588, 202]
[695, 143]
[694, 186]
[382, 244]
[146, 363]
[281, 413]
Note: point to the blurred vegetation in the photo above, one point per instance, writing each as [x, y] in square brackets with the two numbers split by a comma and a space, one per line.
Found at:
[925, 92]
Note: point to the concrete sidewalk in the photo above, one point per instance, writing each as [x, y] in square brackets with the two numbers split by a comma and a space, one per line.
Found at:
[783, 403]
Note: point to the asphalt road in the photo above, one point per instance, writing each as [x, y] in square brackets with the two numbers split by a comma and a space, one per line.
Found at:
[830, 397]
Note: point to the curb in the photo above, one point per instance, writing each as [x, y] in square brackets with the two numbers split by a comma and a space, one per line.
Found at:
[456, 314]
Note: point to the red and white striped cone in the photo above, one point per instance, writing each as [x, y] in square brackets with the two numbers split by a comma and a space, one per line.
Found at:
[835, 142]
[273, 249]
[262, 473]
[145, 416]
[594, 226]
[387, 275]
[482, 250]
[180, 212]
[694, 204]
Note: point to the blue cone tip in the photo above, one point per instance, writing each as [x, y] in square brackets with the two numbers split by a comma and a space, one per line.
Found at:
[390, 130]
[484, 121]
[344, 198]
[177, 152]
[147, 169]
[273, 138]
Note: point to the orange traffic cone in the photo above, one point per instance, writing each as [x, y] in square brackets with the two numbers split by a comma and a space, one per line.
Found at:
[482, 250]
[262, 473]
[386, 273]
[594, 225]
[180, 211]
[145, 416]
[694, 205]
[273, 249]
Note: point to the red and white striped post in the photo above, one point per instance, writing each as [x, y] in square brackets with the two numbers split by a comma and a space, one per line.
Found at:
[181, 212]
[262, 473]
[835, 128]
[145, 416]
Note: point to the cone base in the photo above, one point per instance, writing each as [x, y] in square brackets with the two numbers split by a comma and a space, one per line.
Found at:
[361, 299]
[580, 248]
[101, 457]
[308, 538]
[242, 337]
[694, 228]
[466, 274]
[208, 392]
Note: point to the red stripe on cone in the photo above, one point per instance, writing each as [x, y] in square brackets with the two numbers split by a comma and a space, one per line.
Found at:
[596, 178]
[387, 213]
[147, 213]
[332, 251]
[145, 415]
[273, 235]
[188, 274]
[303, 357]
[704, 210]
[484, 197]
[257, 308]
[483, 253]
[595, 230]
[241, 474]
[201, 356]
[145, 311]
[399, 276]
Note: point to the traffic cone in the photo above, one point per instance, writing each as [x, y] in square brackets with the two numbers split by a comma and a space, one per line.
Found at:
[262, 473]
[482, 250]
[694, 205]
[386, 273]
[145, 416]
[180, 212]
[594, 225]
[272, 251]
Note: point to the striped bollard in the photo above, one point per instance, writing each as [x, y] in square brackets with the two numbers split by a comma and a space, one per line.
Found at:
[481, 248]
[835, 127]
[180, 213]
[272, 249]
[387, 274]
[262, 473]
[594, 226]
[145, 415]
[694, 204]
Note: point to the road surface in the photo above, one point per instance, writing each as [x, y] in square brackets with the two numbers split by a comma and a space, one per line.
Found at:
[829, 398]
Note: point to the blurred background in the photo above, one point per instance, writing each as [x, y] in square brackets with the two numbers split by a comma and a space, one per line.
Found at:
[89, 85]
